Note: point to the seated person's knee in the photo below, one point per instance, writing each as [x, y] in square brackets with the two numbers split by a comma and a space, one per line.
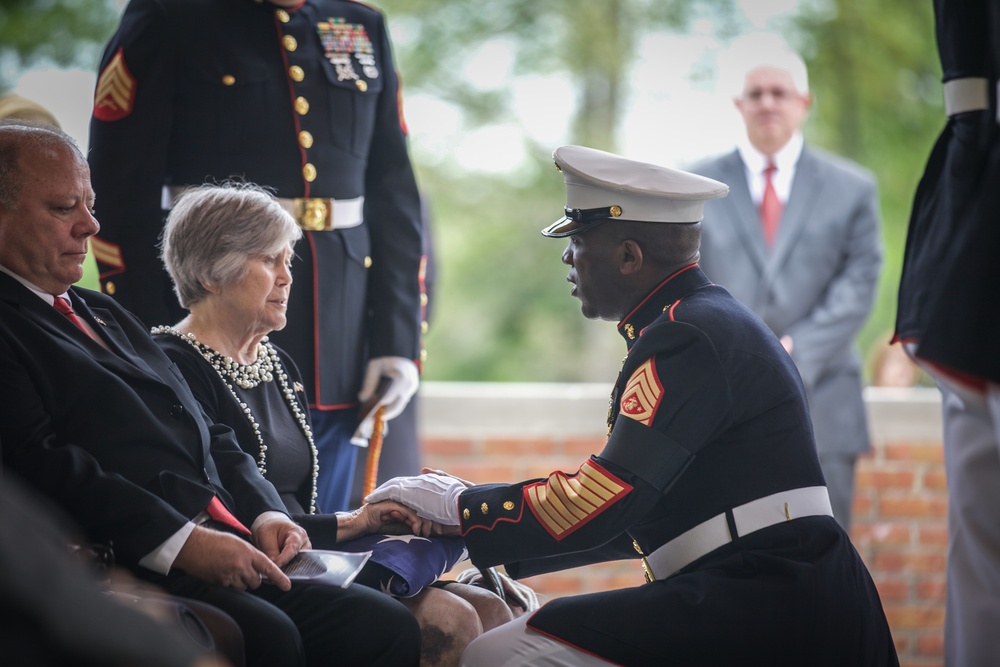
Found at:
[490, 608]
[447, 625]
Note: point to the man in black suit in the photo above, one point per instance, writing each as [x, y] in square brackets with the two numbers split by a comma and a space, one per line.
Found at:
[98, 419]
[66, 618]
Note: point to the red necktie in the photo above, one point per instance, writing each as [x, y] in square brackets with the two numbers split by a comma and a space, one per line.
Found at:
[219, 513]
[770, 206]
[62, 304]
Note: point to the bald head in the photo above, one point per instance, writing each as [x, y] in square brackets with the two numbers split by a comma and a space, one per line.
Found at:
[21, 137]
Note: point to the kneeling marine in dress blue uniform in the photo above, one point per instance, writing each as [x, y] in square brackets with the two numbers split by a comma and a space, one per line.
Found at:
[709, 476]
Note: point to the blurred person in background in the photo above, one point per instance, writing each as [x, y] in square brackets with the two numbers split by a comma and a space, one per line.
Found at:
[15, 106]
[62, 609]
[891, 366]
[798, 241]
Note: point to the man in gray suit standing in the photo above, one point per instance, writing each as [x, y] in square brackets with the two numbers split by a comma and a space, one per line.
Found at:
[798, 241]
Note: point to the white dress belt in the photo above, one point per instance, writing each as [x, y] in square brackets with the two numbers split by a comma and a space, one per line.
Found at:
[709, 535]
[316, 214]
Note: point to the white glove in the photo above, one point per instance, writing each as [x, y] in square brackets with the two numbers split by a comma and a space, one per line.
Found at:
[430, 495]
[404, 379]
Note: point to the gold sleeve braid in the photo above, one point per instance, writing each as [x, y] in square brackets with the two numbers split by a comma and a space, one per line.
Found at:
[564, 503]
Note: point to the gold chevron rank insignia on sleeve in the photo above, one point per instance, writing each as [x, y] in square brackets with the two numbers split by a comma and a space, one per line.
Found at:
[642, 394]
[108, 254]
[564, 503]
[115, 90]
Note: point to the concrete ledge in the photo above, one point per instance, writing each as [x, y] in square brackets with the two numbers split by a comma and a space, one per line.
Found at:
[911, 413]
[503, 409]
[498, 409]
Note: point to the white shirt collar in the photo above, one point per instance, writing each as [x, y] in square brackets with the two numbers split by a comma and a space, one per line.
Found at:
[786, 159]
[42, 294]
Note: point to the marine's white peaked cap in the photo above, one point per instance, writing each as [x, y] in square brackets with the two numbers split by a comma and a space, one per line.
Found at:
[602, 186]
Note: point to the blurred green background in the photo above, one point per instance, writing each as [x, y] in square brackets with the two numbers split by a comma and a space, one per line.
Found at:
[492, 87]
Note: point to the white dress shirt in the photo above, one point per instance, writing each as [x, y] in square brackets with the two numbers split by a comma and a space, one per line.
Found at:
[754, 163]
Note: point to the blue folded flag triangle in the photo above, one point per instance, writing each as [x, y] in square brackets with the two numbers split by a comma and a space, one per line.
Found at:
[402, 565]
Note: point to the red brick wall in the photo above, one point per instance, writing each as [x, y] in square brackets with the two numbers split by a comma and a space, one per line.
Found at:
[519, 432]
[900, 530]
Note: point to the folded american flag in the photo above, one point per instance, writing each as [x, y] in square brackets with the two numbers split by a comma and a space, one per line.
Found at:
[402, 565]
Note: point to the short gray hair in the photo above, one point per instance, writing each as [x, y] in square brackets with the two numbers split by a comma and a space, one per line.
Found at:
[669, 245]
[212, 230]
[757, 50]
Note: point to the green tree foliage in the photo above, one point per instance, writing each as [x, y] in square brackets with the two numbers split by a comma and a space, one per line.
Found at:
[66, 32]
[592, 43]
[502, 307]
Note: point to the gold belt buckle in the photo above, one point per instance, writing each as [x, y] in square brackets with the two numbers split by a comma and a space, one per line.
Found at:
[314, 214]
[646, 570]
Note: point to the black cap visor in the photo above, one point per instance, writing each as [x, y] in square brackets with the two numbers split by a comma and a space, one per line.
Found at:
[578, 220]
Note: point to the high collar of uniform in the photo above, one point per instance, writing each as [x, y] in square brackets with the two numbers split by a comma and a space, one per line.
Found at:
[274, 5]
[659, 301]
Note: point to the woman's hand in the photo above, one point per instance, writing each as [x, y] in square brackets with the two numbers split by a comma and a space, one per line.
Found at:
[390, 518]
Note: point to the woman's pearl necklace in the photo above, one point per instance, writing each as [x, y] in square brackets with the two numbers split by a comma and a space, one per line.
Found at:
[265, 368]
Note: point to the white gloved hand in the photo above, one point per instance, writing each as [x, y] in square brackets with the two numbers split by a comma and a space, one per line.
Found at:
[432, 496]
[405, 379]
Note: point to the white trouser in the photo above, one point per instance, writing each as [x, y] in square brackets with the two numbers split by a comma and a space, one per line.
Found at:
[514, 644]
[972, 462]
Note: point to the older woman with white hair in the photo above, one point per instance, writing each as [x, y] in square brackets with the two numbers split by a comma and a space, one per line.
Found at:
[228, 249]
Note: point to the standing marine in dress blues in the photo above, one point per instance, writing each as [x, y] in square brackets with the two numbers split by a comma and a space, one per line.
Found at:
[299, 97]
